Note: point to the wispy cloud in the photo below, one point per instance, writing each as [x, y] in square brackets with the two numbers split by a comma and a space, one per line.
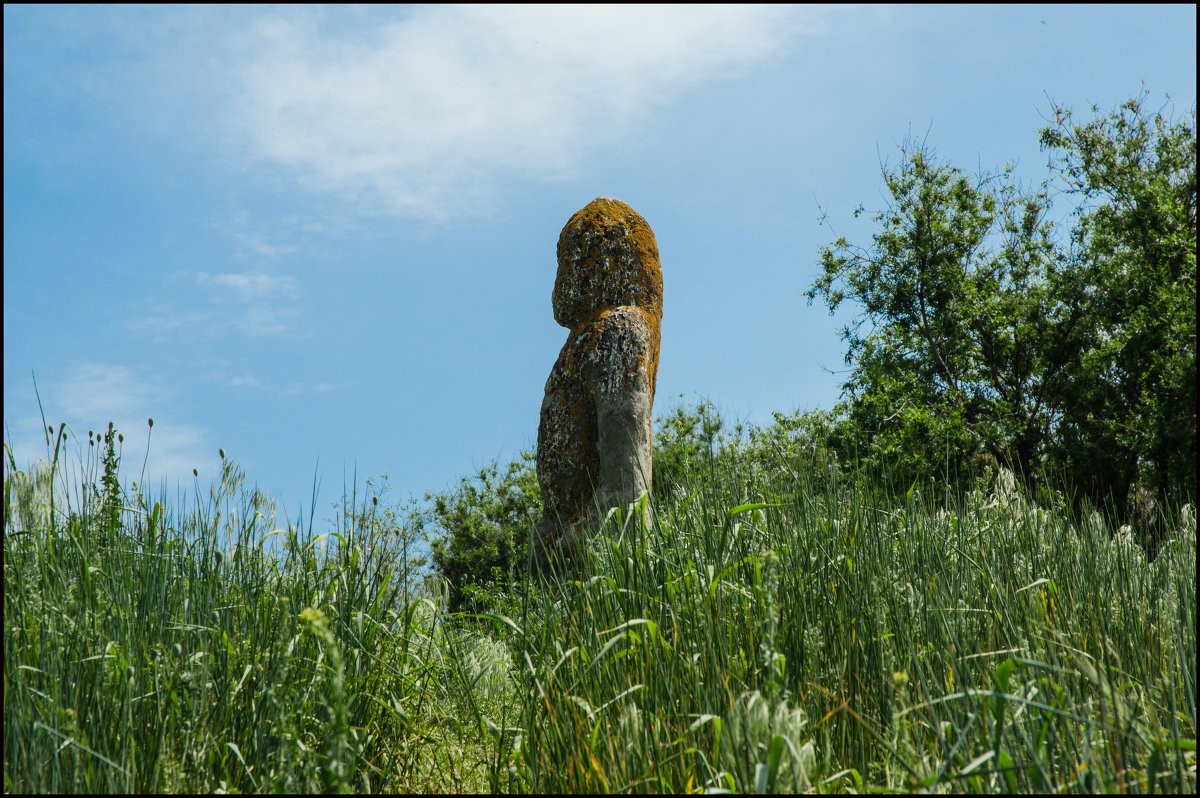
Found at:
[102, 391]
[89, 395]
[252, 303]
[162, 319]
[293, 388]
[250, 286]
[262, 248]
[423, 115]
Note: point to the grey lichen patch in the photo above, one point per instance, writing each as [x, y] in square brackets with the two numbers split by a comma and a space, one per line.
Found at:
[594, 436]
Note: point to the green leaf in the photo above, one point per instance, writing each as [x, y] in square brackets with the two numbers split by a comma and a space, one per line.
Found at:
[855, 776]
[774, 755]
[1182, 745]
[745, 508]
[1003, 672]
[503, 620]
[1007, 771]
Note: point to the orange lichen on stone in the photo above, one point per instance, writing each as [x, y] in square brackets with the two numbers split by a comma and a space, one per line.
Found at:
[594, 437]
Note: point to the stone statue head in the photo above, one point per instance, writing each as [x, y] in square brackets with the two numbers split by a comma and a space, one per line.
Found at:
[607, 257]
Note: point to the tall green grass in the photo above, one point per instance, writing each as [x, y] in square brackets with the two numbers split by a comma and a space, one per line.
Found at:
[835, 639]
[218, 651]
[769, 631]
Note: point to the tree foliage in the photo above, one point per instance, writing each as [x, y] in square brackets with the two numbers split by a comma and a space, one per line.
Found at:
[950, 351]
[982, 335]
[480, 530]
[1128, 394]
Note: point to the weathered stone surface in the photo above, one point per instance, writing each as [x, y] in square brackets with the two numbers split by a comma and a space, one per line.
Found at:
[594, 437]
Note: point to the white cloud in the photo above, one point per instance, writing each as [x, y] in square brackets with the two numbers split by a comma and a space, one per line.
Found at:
[250, 286]
[253, 303]
[423, 115]
[87, 397]
[101, 391]
[164, 318]
[264, 249]
[267, 300]
[290, 389]
[267, 319]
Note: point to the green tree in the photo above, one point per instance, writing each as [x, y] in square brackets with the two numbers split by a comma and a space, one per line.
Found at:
[979, 333]
[950, 350]
[1128, 395]
[689, 437]
[479, 531]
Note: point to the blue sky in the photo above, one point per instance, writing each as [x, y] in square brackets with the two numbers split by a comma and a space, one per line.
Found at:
[307, 234]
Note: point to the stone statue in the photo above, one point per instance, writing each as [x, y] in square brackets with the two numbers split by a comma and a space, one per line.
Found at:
[594, 440]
